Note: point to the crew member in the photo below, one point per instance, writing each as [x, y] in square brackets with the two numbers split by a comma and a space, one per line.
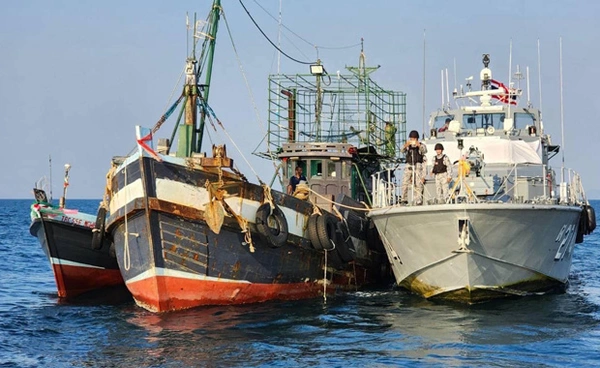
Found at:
[442, 172]
[415, 169]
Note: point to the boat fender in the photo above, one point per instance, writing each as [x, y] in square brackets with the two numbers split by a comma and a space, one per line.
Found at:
[311, 229]
[581, 227]
[275, 235]
[344, 245]
[591, 217]
[99, 229]
[326, 231]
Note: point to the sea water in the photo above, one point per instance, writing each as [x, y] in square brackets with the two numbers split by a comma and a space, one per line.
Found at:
[386, 327]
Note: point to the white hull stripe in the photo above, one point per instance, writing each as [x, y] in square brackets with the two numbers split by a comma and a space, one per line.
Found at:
[197, 197]
[181, 274]
[62, 262]
[127, 194]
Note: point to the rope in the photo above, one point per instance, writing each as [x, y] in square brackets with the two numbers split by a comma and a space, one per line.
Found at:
[367, 209]
[242, 222]
[337, 213]
[271, 42]
[108, 186]
[325, 280]
[126, 255]
[316, 210]
[250, 93]
[211, 112]
[268, 195]
[300, 37]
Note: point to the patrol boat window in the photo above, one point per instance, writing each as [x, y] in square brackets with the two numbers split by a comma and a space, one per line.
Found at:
[475, 121]
[439, 121]
[523, 120]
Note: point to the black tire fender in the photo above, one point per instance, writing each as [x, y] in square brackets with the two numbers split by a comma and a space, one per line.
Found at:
[326, 231]
[275, 236]
[311, 229]
[581, 227]
[344, 245]
[591, 217]
[99, 229]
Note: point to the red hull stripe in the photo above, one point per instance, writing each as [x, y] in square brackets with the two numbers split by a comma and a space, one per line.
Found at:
[75, 280]
[167, 293]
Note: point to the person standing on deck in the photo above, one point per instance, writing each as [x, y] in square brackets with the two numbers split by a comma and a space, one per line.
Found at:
[415, 170]
[442, 172]
[390, 139]
[295, 180]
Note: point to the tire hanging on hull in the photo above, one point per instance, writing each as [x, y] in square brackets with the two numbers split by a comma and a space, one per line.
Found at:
[99, 229]
[344, 244]
[591, 217]
[327, 233]
[275, 236]
[581, 227]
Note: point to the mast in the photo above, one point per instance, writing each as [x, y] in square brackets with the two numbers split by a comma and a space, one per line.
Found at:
[211, 39]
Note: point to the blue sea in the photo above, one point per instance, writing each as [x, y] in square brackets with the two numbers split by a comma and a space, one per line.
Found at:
[377, 328]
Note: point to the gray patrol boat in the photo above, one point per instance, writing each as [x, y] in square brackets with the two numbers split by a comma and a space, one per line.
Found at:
[509, 223]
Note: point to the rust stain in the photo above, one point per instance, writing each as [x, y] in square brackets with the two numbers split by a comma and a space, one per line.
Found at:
[236, 268]
[469, 295]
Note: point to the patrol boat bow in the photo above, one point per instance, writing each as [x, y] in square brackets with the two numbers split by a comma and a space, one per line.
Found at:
[507, 227]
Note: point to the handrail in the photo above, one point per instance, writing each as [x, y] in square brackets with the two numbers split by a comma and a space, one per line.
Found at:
[385, 189]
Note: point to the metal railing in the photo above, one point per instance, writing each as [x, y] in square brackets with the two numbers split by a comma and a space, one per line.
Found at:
[571, 192]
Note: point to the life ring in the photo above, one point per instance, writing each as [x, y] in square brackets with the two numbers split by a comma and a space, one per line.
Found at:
[591, 217]
[99, 229]
[275, 235]
[344, 245]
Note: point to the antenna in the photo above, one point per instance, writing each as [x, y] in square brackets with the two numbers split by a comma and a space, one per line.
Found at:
[528, 95]
[447, 92]
[455, 84]
[509, 77]
[518, 76]
[562, 125]
[455, 91]
[50, 167]
[423, 112]
[443, 104]
[279, 41]
[540, 85]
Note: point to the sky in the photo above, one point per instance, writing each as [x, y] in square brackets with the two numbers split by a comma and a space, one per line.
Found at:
[77, 76]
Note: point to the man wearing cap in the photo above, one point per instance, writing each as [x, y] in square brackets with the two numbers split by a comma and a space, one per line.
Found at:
[415, 169]
[442, 172]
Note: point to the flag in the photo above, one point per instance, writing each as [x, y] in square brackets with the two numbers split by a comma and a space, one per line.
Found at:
[509, 95]
[144, 136]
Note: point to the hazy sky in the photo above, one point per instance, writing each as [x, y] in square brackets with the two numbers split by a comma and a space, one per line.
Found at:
[77, 76]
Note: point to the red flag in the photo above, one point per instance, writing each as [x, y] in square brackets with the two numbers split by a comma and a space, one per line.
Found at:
[509, 95]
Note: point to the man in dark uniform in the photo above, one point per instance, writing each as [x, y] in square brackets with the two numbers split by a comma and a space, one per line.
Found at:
[415, 169]
[442, 172]
[295, 180]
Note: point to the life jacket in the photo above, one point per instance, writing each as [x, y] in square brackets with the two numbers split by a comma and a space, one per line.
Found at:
[438, 165]
[414, 156]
